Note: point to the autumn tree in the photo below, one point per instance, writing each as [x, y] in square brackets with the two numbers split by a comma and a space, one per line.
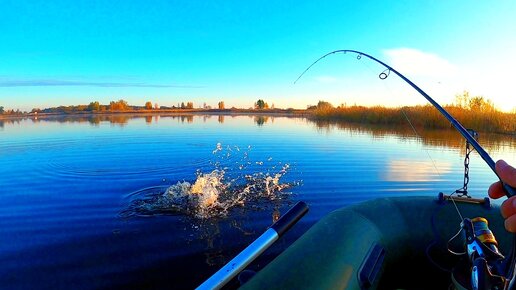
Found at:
[462, 100]
[189, 105]
[476, 103]
[148, 105]
[479, 104]
[119, 105]
[221, 105]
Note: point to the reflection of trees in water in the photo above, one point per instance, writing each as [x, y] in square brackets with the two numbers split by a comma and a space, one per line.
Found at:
[260, 120]
[92, 119]
[4, 122]
[187, 118]
[205, 118]
[437, 138]
[120, 120]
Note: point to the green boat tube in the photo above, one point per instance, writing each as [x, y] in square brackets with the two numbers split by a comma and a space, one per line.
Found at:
[387, 243]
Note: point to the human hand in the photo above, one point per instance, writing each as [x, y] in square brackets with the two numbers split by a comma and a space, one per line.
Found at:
[507, 174]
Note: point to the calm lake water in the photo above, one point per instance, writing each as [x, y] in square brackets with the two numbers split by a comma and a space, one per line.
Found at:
[86, 202]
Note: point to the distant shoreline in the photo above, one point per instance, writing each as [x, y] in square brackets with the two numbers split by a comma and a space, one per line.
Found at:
[357, 115]
[297, 112]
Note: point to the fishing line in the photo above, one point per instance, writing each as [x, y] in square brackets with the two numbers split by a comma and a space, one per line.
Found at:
[509, 191]
[384, 75]
[448, 245]
[433, 161]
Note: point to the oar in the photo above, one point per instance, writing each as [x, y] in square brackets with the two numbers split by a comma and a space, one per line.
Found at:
[256, 248]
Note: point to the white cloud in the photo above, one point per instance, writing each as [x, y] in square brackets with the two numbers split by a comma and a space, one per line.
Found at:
[419, 63]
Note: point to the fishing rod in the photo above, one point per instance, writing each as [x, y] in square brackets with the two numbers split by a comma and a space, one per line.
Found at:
[475, 252]
[509, 191]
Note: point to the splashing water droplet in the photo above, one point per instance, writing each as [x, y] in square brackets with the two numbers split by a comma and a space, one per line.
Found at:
[212, 194]
[218, 148]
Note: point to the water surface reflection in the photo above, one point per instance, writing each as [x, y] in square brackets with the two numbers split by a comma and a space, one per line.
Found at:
[65, 180]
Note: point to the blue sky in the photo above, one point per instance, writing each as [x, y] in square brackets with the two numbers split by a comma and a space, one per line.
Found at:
[74, 52]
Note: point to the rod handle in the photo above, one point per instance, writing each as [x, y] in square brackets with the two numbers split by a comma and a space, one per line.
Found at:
[509, 190]
[290, 218]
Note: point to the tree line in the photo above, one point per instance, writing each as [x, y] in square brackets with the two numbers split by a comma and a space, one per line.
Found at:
[113, 106]
[123, 105]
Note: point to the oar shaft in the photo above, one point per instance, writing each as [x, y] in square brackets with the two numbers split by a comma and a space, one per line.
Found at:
[242, 260]
[256, 248]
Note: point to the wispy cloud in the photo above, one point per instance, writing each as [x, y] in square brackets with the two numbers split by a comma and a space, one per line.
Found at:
[75, 83]
[417, 62]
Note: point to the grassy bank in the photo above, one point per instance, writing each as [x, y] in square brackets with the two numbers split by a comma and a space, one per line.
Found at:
[484, 120]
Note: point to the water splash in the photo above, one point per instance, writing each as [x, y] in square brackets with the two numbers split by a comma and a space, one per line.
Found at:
[231, 183]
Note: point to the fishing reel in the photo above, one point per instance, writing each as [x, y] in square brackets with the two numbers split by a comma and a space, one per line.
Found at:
[486, 265]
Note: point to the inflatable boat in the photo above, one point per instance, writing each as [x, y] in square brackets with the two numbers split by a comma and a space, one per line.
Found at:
[388, 243]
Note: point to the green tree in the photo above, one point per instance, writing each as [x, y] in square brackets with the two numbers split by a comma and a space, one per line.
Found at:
[323, 105]
[260, 104]
[148, 105]
[94, 106]
[1, 110]
[182, 105]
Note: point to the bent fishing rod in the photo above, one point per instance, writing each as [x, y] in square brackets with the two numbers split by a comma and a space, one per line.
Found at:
[509, 191]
